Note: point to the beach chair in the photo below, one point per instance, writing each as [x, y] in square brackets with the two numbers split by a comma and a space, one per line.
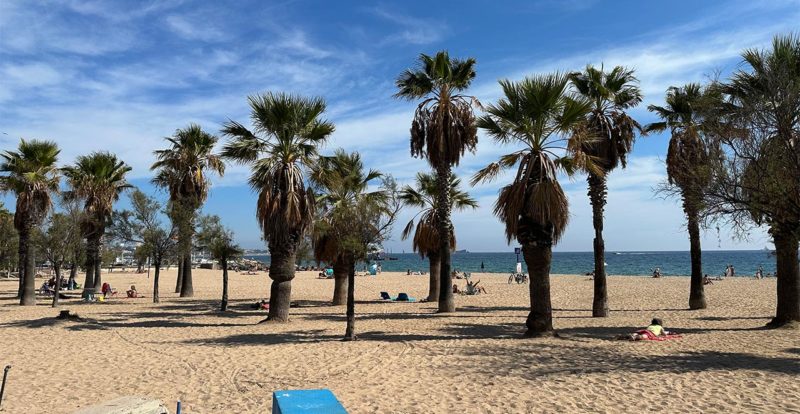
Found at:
[386, 296]
[403, 297]
[306, 402]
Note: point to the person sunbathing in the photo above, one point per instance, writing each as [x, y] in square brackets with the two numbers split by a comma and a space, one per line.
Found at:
[707, 280]
[655, 331]
[456, 289]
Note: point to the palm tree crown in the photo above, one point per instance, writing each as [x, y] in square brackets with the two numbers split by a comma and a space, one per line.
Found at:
[610, 94]
[182, 168]
[443, 127]
[98, 179]
[32, 175]
[289, 132]
[539, 113]
[423, 196]
[687, 155]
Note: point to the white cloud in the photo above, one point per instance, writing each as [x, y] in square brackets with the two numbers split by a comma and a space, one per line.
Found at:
[194, 29]
[414, 30]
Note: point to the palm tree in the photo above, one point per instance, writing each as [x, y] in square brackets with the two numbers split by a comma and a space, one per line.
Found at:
[96, 179]
[350, 216]
[338, 179]
[182, 169]
[764, 100]
[290, 131]
[540, 114]
[426, 236]
[442, 130]
[610, 94]
[31, 174]
[687, 167]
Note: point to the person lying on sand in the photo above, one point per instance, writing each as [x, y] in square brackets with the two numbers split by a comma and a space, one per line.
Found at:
[654, 332]
[707, 280]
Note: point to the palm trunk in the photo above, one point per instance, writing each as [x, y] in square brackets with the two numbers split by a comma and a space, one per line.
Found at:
[340, 279]
[224, 305]
[186, 234]
[91, 248]
[597, 197]
[697, 295]
[28, 277]
[788, 275]
[350, 331]
[446, 301]
[187, 289]
[179, 282]
[157, 265]
[540, 318]
[22, 251]
[435, 269]
[281, 272]
[57, 270]
[98, 263]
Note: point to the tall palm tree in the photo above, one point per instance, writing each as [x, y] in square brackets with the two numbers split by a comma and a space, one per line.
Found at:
[338, 179]
[183, 170]
[96, 179]
[610, 94]
[764, 99]
[687, 167]
[442, 130]
[426, 237]
[32, 175]
[290, 131]
[539, 114]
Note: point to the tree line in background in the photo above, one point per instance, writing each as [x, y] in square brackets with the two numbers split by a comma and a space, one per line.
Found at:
[733, 156]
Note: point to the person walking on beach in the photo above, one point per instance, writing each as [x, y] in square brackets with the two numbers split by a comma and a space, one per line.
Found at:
[727, 270]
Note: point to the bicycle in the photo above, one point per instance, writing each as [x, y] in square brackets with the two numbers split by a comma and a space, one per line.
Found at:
[518, 277]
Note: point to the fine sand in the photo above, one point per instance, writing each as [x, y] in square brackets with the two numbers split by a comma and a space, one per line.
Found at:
[408, 359]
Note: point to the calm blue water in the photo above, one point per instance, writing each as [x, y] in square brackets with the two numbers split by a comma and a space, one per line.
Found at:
[619, 263]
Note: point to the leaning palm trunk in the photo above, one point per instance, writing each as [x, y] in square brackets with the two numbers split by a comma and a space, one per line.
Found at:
[788, 275]
[597, 195]
[540, 319]
[27, 274]
[435, 272]
[340, 279]
[697, 296]
[446, 302]
[350, 330]
[281, 271]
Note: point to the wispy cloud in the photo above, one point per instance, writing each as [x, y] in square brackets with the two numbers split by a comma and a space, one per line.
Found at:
[413, 30]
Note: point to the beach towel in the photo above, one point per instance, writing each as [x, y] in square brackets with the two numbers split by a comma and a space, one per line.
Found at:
[649, 336]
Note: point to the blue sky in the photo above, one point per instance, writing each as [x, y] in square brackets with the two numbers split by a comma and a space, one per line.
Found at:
[121, 75]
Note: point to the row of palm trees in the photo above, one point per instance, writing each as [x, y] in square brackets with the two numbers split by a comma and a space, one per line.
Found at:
[559, 123]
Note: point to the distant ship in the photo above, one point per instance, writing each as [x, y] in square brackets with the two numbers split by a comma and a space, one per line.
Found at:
[461, 251]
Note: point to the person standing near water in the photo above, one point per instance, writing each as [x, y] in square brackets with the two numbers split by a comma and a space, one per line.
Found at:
[481, 266]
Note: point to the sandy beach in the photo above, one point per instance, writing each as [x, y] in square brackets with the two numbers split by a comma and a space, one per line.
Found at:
[408, 358]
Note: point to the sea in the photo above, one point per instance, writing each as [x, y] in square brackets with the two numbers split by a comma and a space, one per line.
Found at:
[671, 263]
